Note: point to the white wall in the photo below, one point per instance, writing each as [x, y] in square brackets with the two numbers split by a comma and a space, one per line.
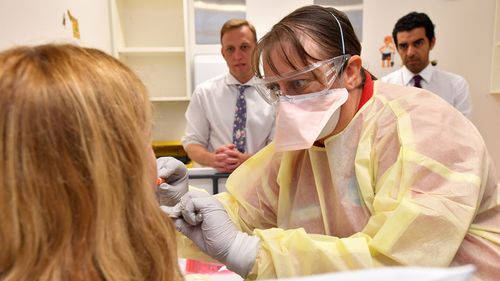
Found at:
[464, 42]
[263, 14]
[33, 21]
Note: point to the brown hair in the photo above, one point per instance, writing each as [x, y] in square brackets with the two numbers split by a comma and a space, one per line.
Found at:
[313, 22]
[236, 23]
[76, 201]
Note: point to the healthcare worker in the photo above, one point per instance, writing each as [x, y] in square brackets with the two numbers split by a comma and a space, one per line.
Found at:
[360, 174]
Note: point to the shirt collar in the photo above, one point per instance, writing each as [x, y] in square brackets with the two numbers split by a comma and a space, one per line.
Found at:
[407, 75]
[427, 73]
[230, 80]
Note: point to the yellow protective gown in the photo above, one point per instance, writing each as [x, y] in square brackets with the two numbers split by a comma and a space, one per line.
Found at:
[408, 182]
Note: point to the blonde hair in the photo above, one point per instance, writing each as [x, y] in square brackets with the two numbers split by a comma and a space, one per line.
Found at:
[76, 199]
[237, 23]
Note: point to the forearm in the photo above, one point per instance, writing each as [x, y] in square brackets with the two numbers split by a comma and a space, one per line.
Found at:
[281, 249]
[200, 155]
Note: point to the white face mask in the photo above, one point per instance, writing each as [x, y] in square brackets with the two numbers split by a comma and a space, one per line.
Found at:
[302, 121]
[330, 125]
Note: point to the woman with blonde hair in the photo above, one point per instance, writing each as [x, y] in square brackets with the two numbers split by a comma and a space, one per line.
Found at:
[73, 123]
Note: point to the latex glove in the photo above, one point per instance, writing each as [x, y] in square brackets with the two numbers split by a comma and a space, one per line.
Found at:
[175, 180]
[216, 235]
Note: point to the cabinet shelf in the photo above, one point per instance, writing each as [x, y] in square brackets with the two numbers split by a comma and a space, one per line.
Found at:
[167, 99]
[150, 36]
[150, 50]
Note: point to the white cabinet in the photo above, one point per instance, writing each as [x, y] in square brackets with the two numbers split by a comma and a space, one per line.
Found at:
[150, 36]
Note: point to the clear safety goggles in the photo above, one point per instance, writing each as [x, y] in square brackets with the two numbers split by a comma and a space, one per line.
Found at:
[296, 85]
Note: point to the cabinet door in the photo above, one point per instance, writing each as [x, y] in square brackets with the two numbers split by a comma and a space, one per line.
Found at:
[150, 37]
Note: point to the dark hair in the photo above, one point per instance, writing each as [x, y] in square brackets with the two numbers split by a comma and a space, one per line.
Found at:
[314, 22]
[236, 23]
[412, 21]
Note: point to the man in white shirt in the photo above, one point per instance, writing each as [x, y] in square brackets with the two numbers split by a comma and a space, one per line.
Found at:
[227, 120]
[414, 38]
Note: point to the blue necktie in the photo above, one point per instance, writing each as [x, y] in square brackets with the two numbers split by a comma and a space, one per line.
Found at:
[416, 81]
[240, 120]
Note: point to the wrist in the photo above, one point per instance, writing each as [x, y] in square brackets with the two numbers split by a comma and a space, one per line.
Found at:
[179, 180]
[246, 156]
[242, 253]
[212, 160]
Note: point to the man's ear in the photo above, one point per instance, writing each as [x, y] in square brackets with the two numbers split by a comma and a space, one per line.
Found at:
[352, 72]
[433, 42]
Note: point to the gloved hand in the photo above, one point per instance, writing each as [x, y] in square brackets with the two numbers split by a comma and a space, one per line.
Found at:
[175, 180]
[216, 235]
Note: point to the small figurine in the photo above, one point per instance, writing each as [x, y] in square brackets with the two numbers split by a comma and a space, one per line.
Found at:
[387, 50]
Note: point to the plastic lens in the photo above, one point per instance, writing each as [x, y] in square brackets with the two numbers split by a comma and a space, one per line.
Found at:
[312, 79]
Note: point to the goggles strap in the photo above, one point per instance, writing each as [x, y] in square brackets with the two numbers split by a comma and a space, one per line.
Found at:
[341, 33]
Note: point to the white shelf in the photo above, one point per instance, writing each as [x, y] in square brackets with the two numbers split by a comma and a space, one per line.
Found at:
[150, 36]
[150, 50]
[168, 99]
[151, 23]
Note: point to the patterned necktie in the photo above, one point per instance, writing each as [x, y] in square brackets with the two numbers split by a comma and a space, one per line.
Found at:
[416, 81]
[240, 120]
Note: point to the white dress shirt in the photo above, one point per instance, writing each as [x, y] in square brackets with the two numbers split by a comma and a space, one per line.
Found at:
[449, 86]
[210, 115]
